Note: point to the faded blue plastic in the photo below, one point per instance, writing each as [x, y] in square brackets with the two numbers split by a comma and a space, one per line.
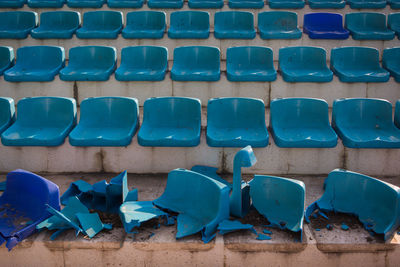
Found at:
[12, 3]
[366, 4]
[304, 64]
[106, 121]
[189, 25]
[397, 114]
[358, 64]
[91, 223]
[374, 202]
[234, 25]
[325, 26]
[36, 64]
[46, 3]
[165, 3]
[57, 25]
[394, 4]
[394, 22]
[144, 25]
[125, 3]
[142, 63]
[171, 122]
[6, 58]
[246, 4]
[17, 24]
[278, 25]
[236, 122]
[41, 121]
[100, 25]
[196, 63]
[7, 113]
[206, 3]
[85, 3]
[301, 122]
[368, 26]
[390, 61]
[23, 205]
[333, 4]
[286, 4]
[90, 63]
[365, 123]
[250, 64]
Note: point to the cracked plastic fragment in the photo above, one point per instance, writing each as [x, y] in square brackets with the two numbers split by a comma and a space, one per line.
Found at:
[263, 237]
[81, 189]
[91, 223]
[228, 226]
[344, 227]
[268, 232]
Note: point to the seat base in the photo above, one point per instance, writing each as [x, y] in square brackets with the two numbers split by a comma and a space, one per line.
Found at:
[142, 34]
[235, 137]
[305, 138]
[168, 137]
[293, 34]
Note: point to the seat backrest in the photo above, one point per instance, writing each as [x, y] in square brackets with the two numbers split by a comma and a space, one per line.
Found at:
[277, 20]
[323, 21]
[197, 57]
[365, 20]
[103, 19]
[6, 56]
[253, 57]
[146, 19]
[234, 20]
[391, 58]
[300, 57]
[18, 19]
[92, 57]
[7, 112]
[181, 20]
[144, 57]
[394, 21]
[355, 58]
[40, 57]
[60, 19]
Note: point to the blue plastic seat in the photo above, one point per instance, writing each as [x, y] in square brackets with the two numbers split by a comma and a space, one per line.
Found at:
[100, 25]
[189, 25]
[394, 4]
[6, 58]
[236, 122]
[17, 24]
[125, 3]
[324, 26]
[368, 26]
[366, 4]
[234, 25]
[90, 63]
[36, 64]
[57, 25]
[397, 114]
[85, 3]
[206, 3]
[304, 64]
[171, 122]
[286, 4]
[12, 3]
[144, 25]
[250, 64]
[390, 61]
[358, 64]
[142, 63]
[246, 3]
[278, 25]
[196, 63]
[41, 121]
[7, 113]
[365, 123]
[46, 3]
[394, 23]
[301, 122]
[332, 4]
[106, 121]
[165, 3]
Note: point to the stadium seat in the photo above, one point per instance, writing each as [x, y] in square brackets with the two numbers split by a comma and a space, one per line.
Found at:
[36, 64]
[246, 3]
[234, 25]
[397, 114]
[41, 121]
[368, 26]
[324, 26]
[301, 122]
[304, 64]
[278, 25]
[358, 64]
[12, 3]
[106, 121]
[142, 63]
[100, 25]
[6, 58]
[331, 4]
[57, 25]
[125, 3]
[90, 63]
[189, 25]
[144, 25]
[365, 123]
[196, 63]
[7, 113]
[170, 122]
[366, 4]
[286, 4]
[17, 24]
[46, 3]
[165, 3]
[206, 3]
[250, 64]
[390, 61]
[236, 122]
[394, 23]
[394, 4]
[85, 3]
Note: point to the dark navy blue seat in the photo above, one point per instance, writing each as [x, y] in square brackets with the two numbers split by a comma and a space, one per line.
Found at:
[57, 25]
[394, 23]
[358, 64]
[144, 25]
[206, 3]
[250, 64]
[234, 25]
[189, 25]
[368, 26]
[390, 61]
[301, 122]
[41, 121]
[171, 122]
[334, 4]
[125, 3]
[36, 64]
[246, 3]
[236, 122]
[12, 3]
[165, 3]
[90, 63]
[17, 24]
[142, 63]
[286, 4]
[106, 121]
[6, 58]
[366, 4]
[394, 4]
[278, 25]
[100, 25]
[365, 123]
[85, 3]
[7, 113]
[46, 3]
[324, 26]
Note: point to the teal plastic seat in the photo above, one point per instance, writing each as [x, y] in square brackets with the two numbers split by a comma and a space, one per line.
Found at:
[85, 3]
[171, 122]
[6, 58]
[142, 63]
[331, 4]
[304, 64]
[286, 4]
[234, 25]
[390, 61]
[246, 3]
[358, 64]
[90, 63]
[57, 25]
[301, 122]
[366, 4]
[196, 63]
[12, 3]
[368, 26]
[165, 3]
[100, 25]
[144, 25]
[394, 23]
[206, 3]
[365, 123]
[278, 25]
[236, 122]
[106, 121]
[189, 25]
[250, 64]
[36, 64]
[17, 24]
[397, 114]
[46, 3]
[125, 3]
[7, 113]
[41, 121]
[394, 4]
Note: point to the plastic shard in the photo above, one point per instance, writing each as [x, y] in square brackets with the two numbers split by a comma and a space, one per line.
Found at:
[263, 237]
[228, 226]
